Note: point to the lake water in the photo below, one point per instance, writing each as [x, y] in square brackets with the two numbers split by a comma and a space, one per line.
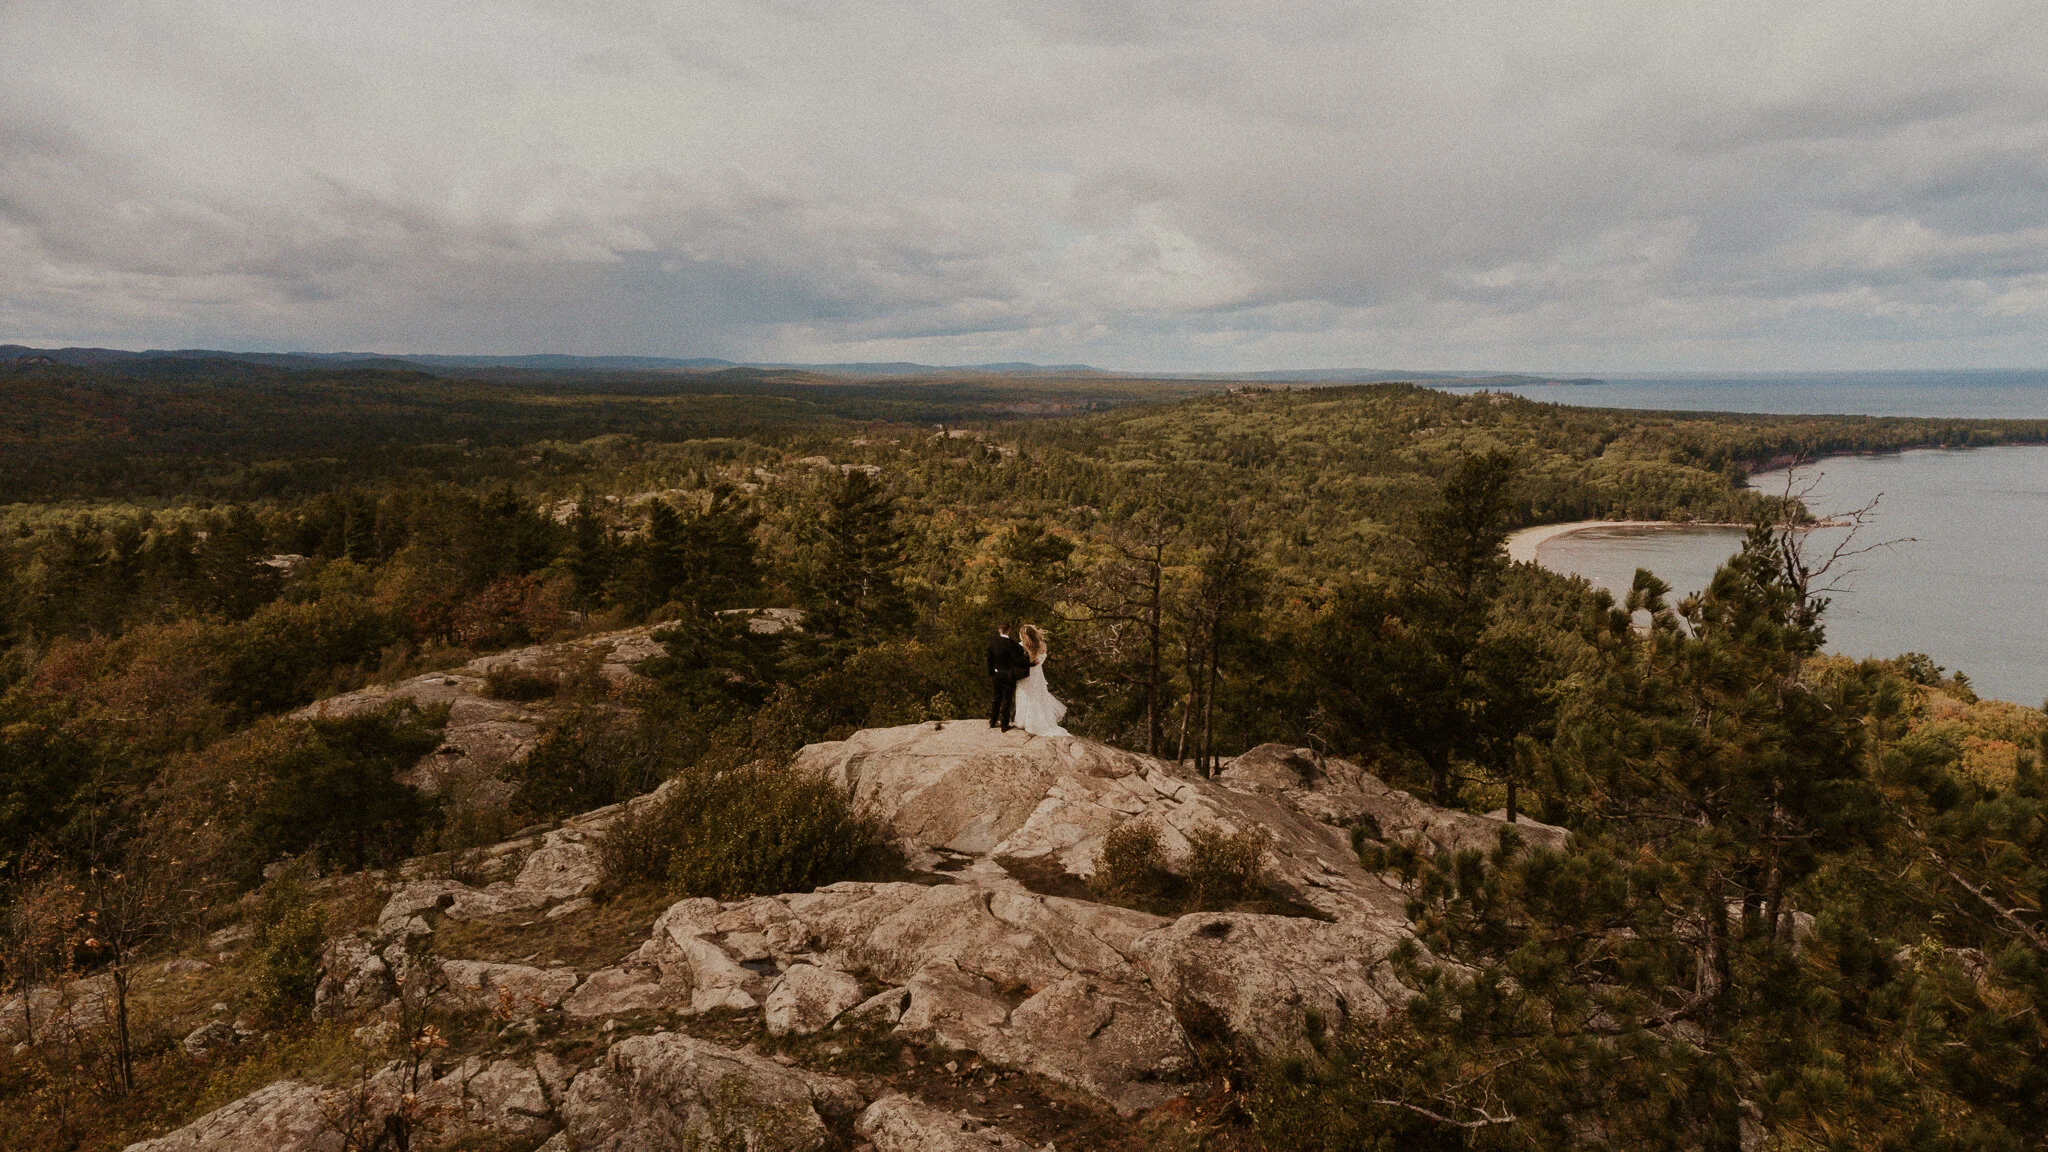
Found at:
[1964, 577]
[2012, 395]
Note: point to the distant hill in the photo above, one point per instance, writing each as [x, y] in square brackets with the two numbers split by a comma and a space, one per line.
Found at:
[1383, 375]
[126, 362]
[154, 363]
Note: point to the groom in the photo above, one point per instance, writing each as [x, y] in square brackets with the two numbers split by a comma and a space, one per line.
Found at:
[1007, 664]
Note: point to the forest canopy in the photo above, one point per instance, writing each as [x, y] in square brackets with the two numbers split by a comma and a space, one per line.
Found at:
[1802, 892]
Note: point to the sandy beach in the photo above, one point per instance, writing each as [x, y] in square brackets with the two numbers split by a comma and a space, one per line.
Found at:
[1522, 545]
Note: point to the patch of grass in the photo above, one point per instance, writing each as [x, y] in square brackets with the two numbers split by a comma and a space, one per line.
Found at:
[596, 937]
[52, 1108]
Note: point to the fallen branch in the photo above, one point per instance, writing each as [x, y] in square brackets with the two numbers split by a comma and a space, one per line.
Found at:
[1485, 1119]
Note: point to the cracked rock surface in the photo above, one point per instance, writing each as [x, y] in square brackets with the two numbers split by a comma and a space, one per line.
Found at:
[982, 954]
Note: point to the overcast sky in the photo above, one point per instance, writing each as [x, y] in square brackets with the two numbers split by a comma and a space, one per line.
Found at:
[1709, 185]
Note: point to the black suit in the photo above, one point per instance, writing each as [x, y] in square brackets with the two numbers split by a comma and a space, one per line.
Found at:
[1007, 664]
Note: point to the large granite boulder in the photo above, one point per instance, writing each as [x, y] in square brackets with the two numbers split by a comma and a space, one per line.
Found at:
[901, 1124]
[354, 978]
[964, 788]
[1275, 982]
[63, 1013]
[1339, 792]
[672, 1091]
[286, 1116]
[509, 990]
[504, 1097]
[564, 867]
[1034, 982]
[484, 735]
[809, 998]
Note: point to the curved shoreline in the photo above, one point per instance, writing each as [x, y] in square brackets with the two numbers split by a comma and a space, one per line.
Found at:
[1522, 545]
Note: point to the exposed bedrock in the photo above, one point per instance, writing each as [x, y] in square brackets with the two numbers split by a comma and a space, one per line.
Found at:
[997, 948]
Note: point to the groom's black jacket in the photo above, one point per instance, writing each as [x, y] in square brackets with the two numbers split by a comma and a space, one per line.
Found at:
[1006, 657]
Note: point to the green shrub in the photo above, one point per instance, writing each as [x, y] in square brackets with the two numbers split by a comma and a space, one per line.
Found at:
[588, 759]
[511, 682]
[291, 931]
[1224, 868]
[1130, 861]
[287, 654]
[327, 787]
[473, 815]
[748, 831]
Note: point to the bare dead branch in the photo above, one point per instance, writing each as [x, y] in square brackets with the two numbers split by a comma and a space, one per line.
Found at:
[2006, 915]
[1485, 1120]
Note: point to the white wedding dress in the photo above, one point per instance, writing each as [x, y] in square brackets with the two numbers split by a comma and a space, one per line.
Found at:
[1038, 712]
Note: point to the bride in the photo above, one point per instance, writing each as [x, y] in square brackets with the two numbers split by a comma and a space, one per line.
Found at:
[1038, 712]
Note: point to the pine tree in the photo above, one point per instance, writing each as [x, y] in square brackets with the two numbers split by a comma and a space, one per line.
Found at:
[853, 592]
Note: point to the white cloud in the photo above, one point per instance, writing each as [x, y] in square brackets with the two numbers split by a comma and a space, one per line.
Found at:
[1581, 186]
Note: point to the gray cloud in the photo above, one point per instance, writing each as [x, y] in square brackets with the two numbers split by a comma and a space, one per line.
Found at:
[1209, 185]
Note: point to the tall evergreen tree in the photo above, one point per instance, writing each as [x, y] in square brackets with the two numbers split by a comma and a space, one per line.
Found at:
[1403, 664]
[853, 594]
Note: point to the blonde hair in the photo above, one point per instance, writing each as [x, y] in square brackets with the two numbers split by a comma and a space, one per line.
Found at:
[1033, 641]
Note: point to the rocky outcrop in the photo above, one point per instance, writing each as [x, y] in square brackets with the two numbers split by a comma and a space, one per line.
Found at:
[354, 978]
[552, 875]
[287, 1116]
[672, 1091]
[59, 1012]
[995, 950]
[618, 990]
[900, 1124]
[1035, 982]
[207, 1038]
[1276, 982]
[564, 867]
[508, 990]
[504, 1097]
[808, 998]
[485, 734]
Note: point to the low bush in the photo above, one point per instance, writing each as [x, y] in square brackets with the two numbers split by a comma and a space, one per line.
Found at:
[1130, 862]
[1225, 868]
[749, 831]
[473, 815]
[511, 682]
[588, 759]
[514, 610]
[326, 787]
[291, 930]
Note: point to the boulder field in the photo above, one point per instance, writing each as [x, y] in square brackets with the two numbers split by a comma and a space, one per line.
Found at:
[990, 952]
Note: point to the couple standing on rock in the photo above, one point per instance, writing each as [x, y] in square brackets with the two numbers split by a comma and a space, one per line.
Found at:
[1017, 670]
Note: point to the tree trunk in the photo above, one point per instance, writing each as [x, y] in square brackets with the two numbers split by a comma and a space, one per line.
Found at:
[1154, 722]
[1209, 715]
[124, 1056]
[1180, 750]
[1440, 779]
[1717, 949]
[1513, 809]
[1774, 886]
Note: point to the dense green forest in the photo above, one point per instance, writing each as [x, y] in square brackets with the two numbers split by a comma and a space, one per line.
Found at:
[1804, 894]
